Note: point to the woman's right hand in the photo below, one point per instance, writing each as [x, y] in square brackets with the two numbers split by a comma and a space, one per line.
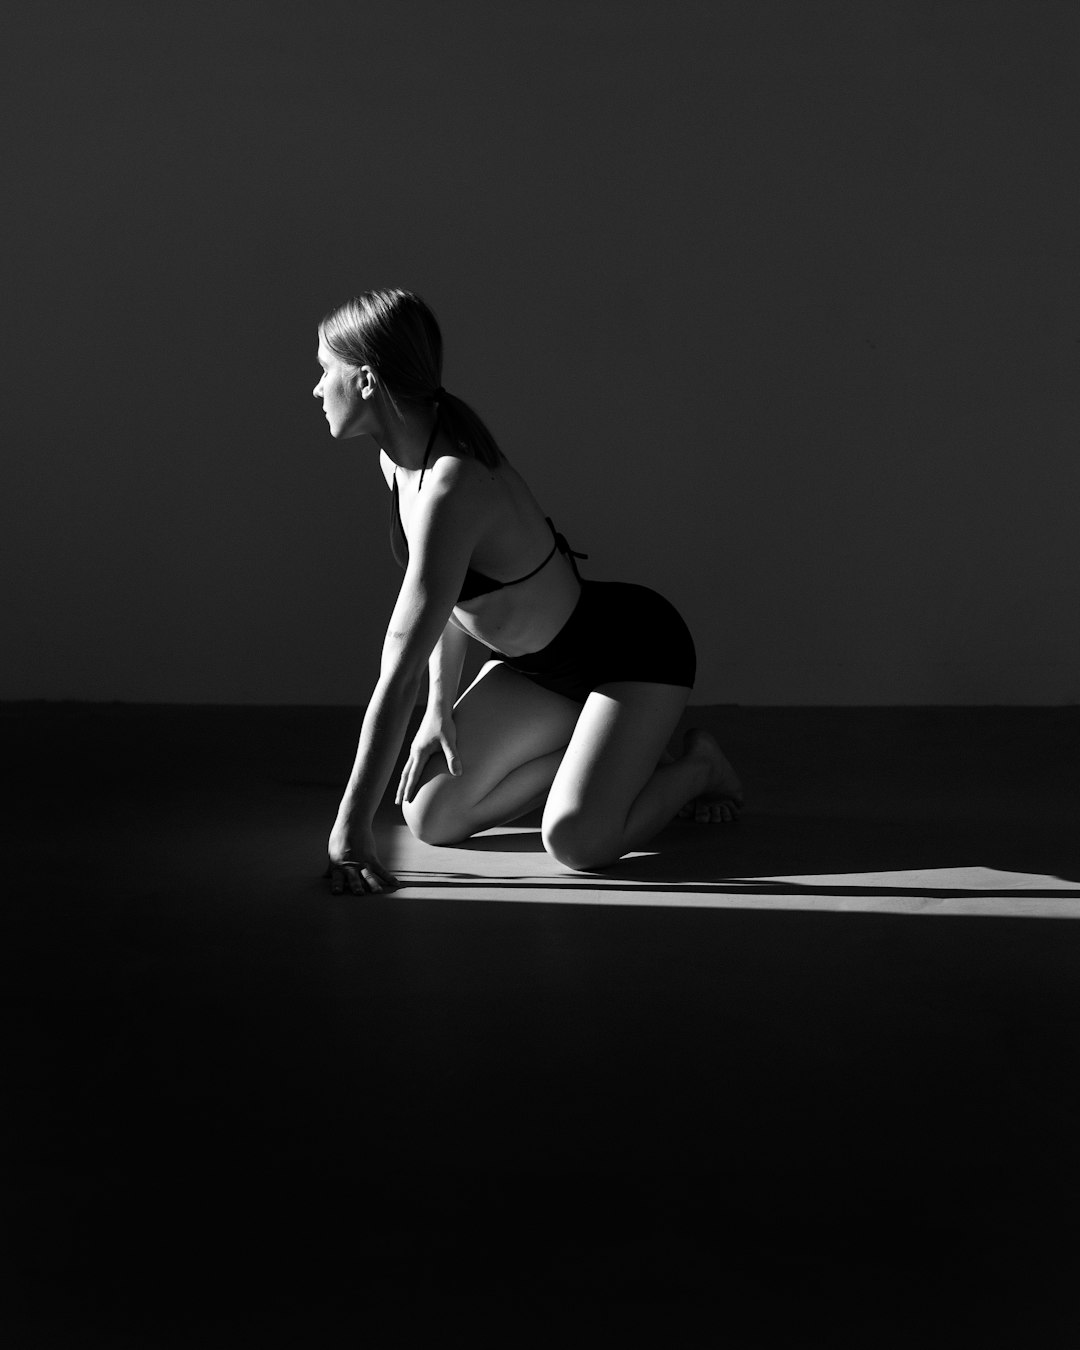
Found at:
[436, 735]
[354, 863]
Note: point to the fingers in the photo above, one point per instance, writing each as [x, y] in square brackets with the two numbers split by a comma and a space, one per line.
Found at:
[372, 880]
[407, 786]
[379, 880]
[413, 771]
[449, 749]
[410, 778]
[421, 752]
[369, 880]
[346, 875]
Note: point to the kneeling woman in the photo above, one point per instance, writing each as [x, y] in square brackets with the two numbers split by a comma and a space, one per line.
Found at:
[587, 680]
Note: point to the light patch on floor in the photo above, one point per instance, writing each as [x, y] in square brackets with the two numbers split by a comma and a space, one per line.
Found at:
[509, 864]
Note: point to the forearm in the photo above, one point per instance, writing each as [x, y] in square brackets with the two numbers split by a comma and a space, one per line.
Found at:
[444, 669]
[381, 736]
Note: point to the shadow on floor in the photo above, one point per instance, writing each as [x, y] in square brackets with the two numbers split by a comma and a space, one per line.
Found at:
[232, 1099]
[733, 857]
[854, 791]
[929, 864]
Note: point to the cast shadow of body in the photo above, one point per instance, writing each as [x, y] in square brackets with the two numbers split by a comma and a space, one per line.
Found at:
[752, 855]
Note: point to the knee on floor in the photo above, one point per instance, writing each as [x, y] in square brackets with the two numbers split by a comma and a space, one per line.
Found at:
[580, 843]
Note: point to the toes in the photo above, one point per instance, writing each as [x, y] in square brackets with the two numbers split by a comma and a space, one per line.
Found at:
[706, 811]
[716, 812]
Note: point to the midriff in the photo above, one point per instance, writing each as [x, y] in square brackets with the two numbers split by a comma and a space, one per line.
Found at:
[524, 617]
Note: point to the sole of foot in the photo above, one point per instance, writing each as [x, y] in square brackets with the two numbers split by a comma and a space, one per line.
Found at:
[722, 801]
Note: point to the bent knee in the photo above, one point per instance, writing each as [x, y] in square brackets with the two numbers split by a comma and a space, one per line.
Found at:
[581, 843]
[434, 822]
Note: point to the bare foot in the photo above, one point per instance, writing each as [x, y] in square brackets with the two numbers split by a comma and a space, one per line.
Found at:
[722, 799]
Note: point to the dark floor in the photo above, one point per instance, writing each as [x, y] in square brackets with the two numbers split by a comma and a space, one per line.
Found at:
[240, 1109]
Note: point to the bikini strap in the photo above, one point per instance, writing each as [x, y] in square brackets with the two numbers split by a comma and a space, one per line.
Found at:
[564, 548]
[427, 452]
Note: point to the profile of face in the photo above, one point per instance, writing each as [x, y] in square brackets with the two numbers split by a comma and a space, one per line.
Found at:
[345, 393]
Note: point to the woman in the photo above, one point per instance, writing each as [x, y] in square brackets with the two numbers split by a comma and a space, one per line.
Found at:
[588, 679]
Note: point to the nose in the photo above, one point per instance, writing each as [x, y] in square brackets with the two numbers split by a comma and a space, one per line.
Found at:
[317, 391]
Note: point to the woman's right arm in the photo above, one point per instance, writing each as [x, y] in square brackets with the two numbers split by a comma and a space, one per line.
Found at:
[436, 732]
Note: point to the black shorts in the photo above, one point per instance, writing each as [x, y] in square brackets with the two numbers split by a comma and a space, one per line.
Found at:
[617, 631]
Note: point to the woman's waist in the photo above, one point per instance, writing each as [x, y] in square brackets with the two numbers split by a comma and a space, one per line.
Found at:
[603, 612]
[514, 625]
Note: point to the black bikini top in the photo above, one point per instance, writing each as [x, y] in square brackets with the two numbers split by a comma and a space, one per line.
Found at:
[475, 583]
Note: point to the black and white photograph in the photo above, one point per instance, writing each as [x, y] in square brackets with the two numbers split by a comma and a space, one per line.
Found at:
[541, 673]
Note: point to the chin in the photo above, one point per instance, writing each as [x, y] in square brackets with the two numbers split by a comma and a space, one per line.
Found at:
[346, 433]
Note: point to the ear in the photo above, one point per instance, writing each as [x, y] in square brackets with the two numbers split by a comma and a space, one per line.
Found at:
[366, 382]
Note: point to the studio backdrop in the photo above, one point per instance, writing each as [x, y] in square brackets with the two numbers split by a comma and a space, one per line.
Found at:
[774, 305]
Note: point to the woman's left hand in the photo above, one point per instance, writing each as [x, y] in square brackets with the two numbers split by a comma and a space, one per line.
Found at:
[355, 864]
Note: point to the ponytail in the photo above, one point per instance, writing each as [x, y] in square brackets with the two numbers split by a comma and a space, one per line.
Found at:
[467, 430]
[397, 335]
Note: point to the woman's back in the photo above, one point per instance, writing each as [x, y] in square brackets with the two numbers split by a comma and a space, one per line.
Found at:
[526, 585]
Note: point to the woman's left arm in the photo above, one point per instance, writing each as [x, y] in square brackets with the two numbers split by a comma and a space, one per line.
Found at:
[446, 524]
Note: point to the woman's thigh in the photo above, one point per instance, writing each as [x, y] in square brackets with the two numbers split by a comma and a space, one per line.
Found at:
[502, 721]
[617, 744]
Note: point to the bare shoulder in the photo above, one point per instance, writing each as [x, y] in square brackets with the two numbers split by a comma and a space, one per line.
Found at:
[464, 478]
[387, 466]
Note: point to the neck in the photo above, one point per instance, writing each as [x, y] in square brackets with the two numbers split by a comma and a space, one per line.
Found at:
[405, 439]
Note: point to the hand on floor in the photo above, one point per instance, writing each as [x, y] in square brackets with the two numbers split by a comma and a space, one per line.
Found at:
[353, 863]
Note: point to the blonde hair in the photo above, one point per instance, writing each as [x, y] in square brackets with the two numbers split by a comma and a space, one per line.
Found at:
[397, 335]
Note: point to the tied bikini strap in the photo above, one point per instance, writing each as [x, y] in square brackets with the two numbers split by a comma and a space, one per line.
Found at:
[564, 548]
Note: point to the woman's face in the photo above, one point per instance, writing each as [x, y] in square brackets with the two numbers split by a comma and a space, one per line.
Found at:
[343, 404]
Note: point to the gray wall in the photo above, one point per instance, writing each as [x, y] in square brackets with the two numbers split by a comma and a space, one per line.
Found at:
[775, 304]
